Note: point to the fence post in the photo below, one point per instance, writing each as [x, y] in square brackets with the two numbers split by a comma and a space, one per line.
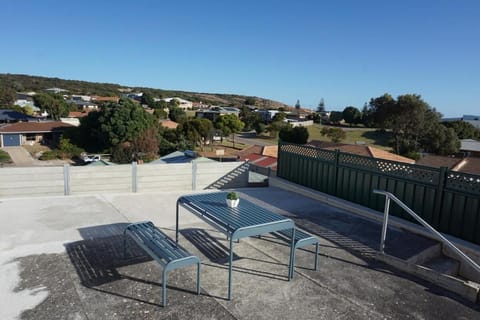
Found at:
[66, 179]
[442, 180]
[194, 175]
[337, 162]
[134, 176]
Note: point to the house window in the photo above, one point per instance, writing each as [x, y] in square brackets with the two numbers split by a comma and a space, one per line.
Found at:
[31, 137]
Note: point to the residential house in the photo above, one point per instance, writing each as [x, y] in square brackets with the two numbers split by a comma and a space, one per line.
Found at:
[470, 147]
[361, 150]
[467, 165]
[83, 105]
[215, 111]
[182, 103]
[22, 133]
[56, 90]
[186, 156]
[267, 115]
[261, 156]
[100, 99]
[10, 116]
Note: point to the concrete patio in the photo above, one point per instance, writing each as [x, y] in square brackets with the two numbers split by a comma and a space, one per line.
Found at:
[61, 258]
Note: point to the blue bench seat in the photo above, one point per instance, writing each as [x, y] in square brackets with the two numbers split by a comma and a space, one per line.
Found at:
[162, 249]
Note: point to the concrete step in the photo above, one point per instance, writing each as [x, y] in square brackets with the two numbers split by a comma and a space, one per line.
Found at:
[444, 265]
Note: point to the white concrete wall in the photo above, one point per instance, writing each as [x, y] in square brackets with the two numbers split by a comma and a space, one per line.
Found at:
[31, 181]
[49, 181]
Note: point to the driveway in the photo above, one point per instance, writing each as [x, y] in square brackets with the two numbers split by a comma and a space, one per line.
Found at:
[19, 156]
[22, 158]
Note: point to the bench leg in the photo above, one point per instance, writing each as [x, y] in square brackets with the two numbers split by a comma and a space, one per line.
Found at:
[198, 278]
[316, 257]
[164, 288]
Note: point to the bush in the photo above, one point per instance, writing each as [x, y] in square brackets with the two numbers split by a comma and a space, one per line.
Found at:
[298, 135]
[335, 134]
[49, 155]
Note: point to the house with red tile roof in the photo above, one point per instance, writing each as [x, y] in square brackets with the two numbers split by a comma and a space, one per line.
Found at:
[262, 156]
[361, 150]
[461, 164]
[22, 133]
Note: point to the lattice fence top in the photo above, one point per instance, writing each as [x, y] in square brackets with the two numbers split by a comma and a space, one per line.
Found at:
[463, 182]
[308, 151]
[392, 168]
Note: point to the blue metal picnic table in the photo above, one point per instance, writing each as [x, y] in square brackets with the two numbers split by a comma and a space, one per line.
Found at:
[246, 220]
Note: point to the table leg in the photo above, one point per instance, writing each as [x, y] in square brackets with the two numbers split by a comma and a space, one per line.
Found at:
[230, 270]
[292, 255]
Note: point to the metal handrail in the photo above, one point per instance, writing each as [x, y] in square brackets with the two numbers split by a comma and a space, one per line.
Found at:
[437, 234]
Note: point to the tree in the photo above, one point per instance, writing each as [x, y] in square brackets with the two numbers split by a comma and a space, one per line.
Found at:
[335, 134]
[7, 96]
[336, 117]
[198, 131]
[54, 104]
[297, 105]
[441, 140]
[321, 106]
[351, 115]
[147, 98]
[380, 110]
[464, 130]
[176, 114]
[250, 101]
[114, 124]
[259, 127]
[275, 127]
[249, 118]
[298, 135]
[229, 124]
[279, 116]
[367, 118]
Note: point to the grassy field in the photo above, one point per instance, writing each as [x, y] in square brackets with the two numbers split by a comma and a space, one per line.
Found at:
[368, 136]
[4, 157]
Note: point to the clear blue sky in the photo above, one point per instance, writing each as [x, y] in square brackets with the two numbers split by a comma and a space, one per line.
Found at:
[343, 51]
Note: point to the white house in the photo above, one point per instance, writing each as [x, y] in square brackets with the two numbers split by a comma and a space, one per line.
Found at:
[183, 104]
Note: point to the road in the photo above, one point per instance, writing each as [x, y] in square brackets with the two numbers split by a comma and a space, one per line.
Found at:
[250, 138]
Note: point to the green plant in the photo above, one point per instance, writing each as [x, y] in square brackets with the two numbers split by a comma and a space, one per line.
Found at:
[232, 196]
[49, 155]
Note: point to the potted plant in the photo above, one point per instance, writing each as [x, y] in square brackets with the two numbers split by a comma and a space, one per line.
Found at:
[232, 199]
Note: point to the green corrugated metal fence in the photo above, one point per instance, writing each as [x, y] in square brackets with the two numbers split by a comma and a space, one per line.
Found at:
[447, 200]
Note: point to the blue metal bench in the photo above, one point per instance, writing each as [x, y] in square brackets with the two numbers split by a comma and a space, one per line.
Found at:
[302, 239]
[161, 248]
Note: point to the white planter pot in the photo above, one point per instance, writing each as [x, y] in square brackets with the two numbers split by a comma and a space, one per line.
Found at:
[232, 203]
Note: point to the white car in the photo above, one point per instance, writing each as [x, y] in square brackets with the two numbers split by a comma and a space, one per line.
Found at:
[91, 158]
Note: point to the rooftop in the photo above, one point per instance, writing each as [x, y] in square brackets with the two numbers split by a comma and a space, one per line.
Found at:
[42, 126]
[61, 258]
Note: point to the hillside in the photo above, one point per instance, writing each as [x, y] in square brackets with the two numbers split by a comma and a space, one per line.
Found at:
[22, 83]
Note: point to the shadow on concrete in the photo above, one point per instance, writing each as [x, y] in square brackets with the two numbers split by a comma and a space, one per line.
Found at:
[104, 250]
[208, 245]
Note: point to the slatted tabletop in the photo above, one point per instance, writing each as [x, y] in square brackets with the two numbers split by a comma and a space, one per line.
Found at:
[245, 220]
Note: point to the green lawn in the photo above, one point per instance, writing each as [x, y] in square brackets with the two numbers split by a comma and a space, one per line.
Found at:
[369, 136]
[4, 157]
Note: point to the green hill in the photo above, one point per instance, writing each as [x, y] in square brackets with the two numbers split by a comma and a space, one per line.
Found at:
[23, 83]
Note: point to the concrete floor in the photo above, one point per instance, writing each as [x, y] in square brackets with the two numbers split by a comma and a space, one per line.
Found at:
[61, 258]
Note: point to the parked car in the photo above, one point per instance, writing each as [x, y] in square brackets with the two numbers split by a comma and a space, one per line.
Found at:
[91, 158]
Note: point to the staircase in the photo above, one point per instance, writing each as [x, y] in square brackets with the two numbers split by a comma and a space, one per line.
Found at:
[440, 262]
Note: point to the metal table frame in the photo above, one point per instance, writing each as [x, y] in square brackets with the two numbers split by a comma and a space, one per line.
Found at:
[246, 220]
